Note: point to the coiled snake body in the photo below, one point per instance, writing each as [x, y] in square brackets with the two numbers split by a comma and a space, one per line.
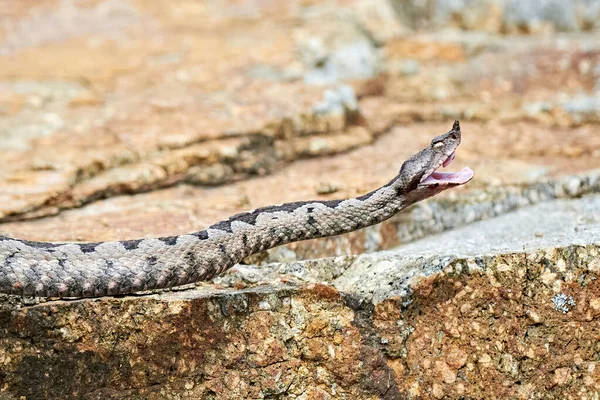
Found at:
[119, 267]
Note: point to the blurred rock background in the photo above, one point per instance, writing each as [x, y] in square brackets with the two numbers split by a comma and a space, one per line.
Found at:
[135, 118]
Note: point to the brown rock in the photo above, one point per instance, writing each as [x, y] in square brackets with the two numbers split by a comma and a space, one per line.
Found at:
[105, 98]
[562, 376]
[437, 391]
[447, 374]
[456, 358]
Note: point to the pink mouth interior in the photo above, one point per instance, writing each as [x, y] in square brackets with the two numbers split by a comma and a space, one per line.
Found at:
[446, 178]
[449, 159]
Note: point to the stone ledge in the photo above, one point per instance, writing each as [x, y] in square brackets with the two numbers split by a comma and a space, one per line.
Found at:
[470, 316]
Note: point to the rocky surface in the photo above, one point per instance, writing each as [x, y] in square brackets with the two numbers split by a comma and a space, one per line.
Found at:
[507, 307]
[535, 17]
[125, 119]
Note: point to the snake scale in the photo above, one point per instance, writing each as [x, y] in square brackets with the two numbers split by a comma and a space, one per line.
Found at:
[120, 267]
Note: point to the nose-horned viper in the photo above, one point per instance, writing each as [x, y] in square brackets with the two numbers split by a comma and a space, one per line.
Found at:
[118, 267]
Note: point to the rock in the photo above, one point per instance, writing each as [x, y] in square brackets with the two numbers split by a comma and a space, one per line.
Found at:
[509, 366]
[474, 15]
[354, 61]
[337, 101]
[384, 275]
[403, 67]
[485, 359]
[201, 355]
[117, 115]
[327, 188]
[534, 316]
[562, 376]
[331, 56]
[583, 108]
[170, 101]
[219, 341]
[446, 373]
[379, 19]
[502, 15]
[456, 358]
[532, 16]
[210, 174]
[534, 109]
[437, 391]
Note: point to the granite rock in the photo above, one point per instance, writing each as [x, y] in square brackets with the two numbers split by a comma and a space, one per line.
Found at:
[129, 119]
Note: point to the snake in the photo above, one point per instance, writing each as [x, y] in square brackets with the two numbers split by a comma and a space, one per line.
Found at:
[96, 269]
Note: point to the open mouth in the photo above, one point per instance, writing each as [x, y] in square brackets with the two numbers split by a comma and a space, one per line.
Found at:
[448, 178]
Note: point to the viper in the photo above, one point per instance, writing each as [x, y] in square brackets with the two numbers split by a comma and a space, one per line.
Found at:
[48, 269]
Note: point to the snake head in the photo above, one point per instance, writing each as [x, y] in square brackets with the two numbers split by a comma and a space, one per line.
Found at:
[420, 171]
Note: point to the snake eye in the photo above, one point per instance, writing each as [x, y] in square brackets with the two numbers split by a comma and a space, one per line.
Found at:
[438, 145]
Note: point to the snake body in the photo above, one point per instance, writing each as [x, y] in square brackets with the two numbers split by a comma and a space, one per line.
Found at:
[119, 267]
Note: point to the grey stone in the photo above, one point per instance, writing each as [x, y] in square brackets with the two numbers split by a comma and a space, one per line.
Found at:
[496, 15]
[337, 101]
[358, 60]
[583, 108]
[589, 13]
[553, 224]
[533, 109]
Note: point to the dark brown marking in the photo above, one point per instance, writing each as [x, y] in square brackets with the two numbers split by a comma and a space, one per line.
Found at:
[202, 235]
[87, 247]
[37, 245]
[131, 244]
[222, 226]
[366, 196]
[169, 240]
[250, 217]
[328, 203]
